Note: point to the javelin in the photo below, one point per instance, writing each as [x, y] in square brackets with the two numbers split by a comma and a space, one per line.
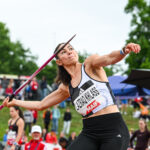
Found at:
[37, 71]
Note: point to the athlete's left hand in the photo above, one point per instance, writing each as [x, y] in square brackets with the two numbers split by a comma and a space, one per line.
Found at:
[132, 47]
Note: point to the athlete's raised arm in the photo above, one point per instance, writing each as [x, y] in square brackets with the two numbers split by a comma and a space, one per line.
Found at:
[113, 57]
[54, 98]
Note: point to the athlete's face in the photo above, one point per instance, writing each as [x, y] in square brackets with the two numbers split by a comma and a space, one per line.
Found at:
[67, 56]
[13, 112]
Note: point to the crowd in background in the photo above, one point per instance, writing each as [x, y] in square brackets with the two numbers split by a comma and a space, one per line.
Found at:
[48, 135]
[140, 138]
[141, 106]
[37, 90]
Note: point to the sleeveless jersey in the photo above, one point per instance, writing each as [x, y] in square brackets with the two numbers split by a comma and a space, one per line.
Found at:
[12, 133]
[91, 95]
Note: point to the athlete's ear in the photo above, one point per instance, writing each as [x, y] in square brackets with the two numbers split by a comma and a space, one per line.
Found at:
[58, 62]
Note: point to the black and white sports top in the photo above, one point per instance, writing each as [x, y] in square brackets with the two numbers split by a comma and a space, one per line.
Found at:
[91, 95]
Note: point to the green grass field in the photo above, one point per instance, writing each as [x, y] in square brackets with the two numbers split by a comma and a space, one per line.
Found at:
[76, 124]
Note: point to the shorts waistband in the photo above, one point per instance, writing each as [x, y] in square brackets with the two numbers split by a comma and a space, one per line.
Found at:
[111, 119]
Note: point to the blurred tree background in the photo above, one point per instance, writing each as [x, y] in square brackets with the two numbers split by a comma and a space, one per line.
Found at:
[140, 33]
[16, 60]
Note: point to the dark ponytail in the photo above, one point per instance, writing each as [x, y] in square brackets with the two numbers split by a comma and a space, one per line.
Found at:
[19, 110]
[62, 75]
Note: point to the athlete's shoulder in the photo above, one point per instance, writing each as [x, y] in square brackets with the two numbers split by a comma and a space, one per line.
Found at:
[89, 61]
[91, 57]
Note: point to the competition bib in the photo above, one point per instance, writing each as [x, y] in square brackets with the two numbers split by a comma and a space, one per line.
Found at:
[88, 99]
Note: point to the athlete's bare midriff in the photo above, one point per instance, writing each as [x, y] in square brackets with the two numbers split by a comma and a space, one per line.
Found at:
[106, 110]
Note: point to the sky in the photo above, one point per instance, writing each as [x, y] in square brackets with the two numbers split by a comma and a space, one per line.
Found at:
[100, 25]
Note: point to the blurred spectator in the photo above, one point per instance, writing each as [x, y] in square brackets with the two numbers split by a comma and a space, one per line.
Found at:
[4, 84]
[144, 101]
[148, 100]
[68, 100]
[62, 104]
[2, 146]
[5, 136]
[124, 103]
[137, 113]
[34, 88]
[135, 102]
[43, 86]
[55, 118]
[44, 133]
[28, 118]
[67, 121]
[36, 141]
[12, 83]
[144, 112]
[16, 126]
[63, 141]
[142, 136]
[35, 116]
[54, 86]
[22, 92]
[28, 92]
[9, 90]
[51, 137]
[47, 116]
[72, 137]
[17, 83]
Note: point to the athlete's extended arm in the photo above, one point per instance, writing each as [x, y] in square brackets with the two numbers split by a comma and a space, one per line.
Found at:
[52, 99]
[113, 57]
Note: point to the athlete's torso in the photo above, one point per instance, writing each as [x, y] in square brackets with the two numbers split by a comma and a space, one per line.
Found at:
[91, 96]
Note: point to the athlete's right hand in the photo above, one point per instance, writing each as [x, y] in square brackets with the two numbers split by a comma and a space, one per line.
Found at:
[6, 102]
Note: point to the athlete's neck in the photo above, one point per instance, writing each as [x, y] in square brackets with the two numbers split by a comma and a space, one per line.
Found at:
[74, 69]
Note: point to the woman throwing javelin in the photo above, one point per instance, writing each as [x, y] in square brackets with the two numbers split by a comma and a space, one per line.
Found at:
[88, 86]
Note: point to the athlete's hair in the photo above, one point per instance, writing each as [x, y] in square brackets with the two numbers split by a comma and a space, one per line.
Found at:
[62, 75]
[19, 110]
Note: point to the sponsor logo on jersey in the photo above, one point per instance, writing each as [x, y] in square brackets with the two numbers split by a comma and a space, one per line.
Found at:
[92, 106]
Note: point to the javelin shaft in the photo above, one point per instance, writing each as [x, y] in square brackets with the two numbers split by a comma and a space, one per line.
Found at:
[33, 75]
[37, 71]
